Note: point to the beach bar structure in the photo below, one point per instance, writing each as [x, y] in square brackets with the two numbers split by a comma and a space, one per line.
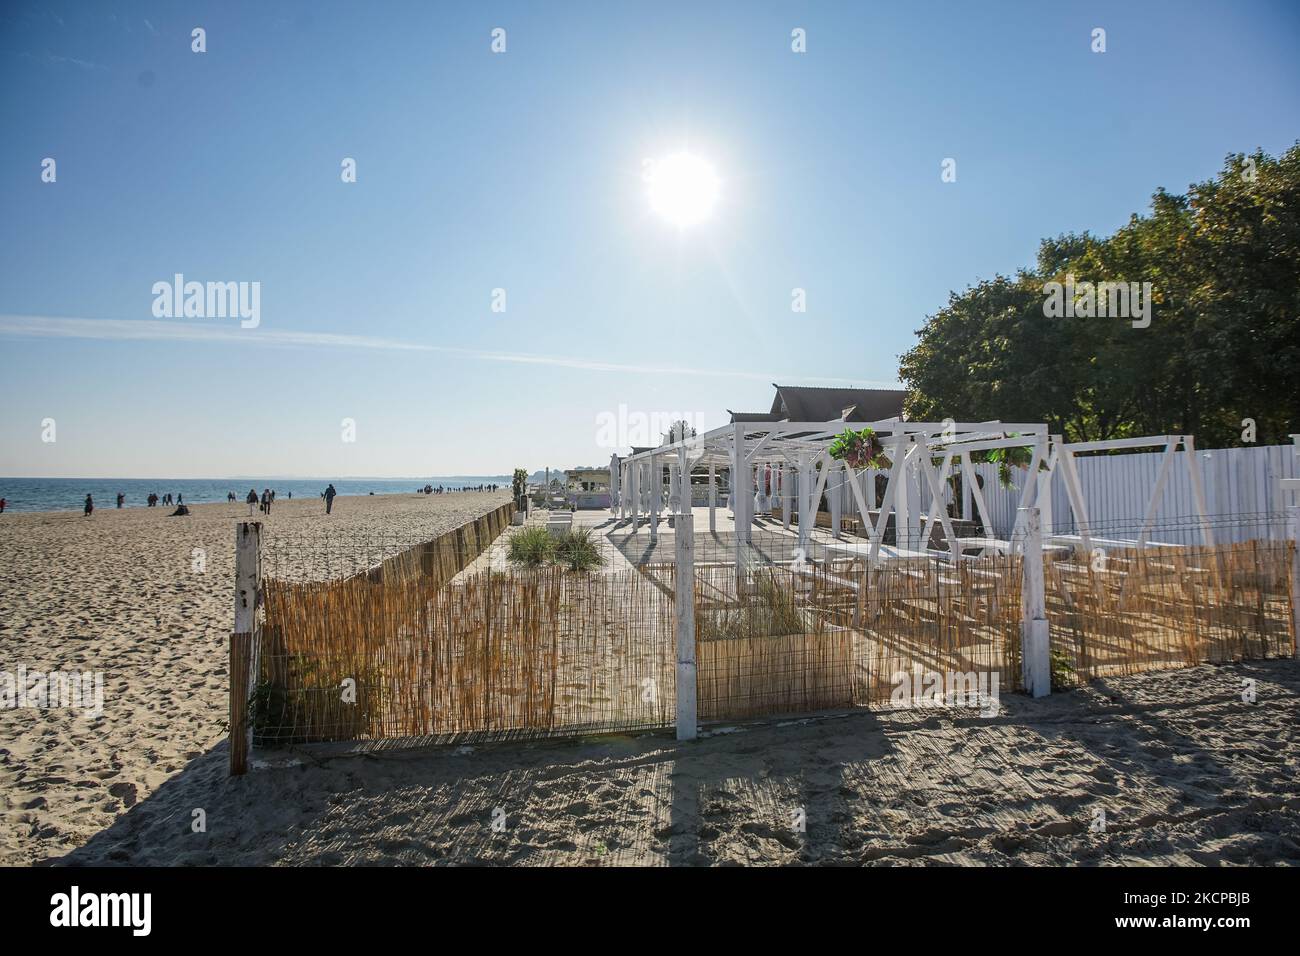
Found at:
[787, 467]
[449, 639]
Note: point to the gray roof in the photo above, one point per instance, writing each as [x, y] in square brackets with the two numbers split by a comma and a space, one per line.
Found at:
[752, 417]
[805, 403]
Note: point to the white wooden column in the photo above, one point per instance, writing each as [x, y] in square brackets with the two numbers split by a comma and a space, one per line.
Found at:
[910, 485]
[656, 493]
[1294, 511]
[837, 480]
[684, 539]
[1035, 635]
[713, 498]
[614, 474]
[633, 493]
[743, 491]
[787, 495]
[807, 507]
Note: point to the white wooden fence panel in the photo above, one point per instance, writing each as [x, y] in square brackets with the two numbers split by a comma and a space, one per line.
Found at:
[1243, 496]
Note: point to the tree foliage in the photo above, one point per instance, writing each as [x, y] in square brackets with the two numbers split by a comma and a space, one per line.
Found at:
[1223, 344]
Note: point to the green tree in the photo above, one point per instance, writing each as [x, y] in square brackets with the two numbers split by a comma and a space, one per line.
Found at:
[1223, 344]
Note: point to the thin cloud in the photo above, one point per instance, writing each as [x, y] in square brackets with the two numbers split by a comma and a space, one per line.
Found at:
[53, 59]
[139, 330]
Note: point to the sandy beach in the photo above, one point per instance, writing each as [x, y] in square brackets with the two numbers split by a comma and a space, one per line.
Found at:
[118, 592]
[1168, 767]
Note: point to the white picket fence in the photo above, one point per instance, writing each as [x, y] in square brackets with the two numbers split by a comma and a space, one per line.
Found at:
[1243, 496]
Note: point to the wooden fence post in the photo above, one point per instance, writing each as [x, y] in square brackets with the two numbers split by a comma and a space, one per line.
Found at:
[1035, 635]
[243, 657]
[684, 532]
[1295, 579]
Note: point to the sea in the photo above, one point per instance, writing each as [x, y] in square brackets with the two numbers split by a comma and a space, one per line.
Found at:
[69, 494]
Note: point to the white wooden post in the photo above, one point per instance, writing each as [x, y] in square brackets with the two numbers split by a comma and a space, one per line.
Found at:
[787, 495]
[713, 498]
[633, 494]
[684, 536]
[1043, 499]
[903, 533]
[836, 497]
[807, 506]
[1198, 490]
[1294, 511]
[615, 489]
[656, 488]
[742, 490]
[1035, 655]
[243, 648]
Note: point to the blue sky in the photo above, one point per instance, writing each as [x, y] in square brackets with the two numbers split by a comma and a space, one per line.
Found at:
[522, 171]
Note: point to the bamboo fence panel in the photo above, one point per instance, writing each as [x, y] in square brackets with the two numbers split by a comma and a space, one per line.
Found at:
[779, 641]
[530, 653]
[1169, 607]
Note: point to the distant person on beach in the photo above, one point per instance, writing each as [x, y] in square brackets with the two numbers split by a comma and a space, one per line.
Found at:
[180, 499]
[266, 501]
[90, 505]
[329, 498]
[2, 505]
[252, 500]
[230, 497]
[120, 498]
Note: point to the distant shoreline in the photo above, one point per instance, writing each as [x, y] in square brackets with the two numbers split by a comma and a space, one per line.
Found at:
[39, 495]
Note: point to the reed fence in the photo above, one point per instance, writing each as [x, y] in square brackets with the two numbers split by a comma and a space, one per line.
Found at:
[525, 653]
[828, 634]
[1160, 608]
[434, 640]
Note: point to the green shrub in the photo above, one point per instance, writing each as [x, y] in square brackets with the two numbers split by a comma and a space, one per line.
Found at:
[577, 551]
[532, 546]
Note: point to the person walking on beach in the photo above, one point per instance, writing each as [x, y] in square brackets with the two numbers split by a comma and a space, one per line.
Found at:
[266, 501]
[2, 505]
[90, 505]
[252, 500]
[120, 498]
[329, 498]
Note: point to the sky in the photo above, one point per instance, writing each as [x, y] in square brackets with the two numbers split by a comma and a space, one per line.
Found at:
[524, 171]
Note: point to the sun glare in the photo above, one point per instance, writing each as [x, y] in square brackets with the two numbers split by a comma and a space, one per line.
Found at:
[683, 189]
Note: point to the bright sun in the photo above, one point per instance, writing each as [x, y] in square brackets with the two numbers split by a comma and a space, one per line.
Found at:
[683, 189]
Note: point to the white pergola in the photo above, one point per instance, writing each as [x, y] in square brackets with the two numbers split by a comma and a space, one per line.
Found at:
[796, 456]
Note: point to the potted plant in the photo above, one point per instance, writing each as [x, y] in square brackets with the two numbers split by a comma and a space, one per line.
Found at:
[1018, 456]
[859, 449]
